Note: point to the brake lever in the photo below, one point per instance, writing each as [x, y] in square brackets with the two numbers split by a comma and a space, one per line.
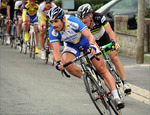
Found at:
[66, 74]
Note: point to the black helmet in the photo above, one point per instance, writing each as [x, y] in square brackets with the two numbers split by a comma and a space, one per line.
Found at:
[55, 13]
[48, 1]
[84, 10]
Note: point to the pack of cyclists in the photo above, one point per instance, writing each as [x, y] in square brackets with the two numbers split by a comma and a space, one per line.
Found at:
[88, 29]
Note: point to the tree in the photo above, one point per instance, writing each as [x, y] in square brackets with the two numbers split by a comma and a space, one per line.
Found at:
[140, 32]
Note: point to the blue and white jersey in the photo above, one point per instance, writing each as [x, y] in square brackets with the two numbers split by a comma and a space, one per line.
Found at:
[72, 33]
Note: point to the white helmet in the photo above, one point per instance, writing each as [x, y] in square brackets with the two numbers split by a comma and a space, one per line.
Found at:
[84, 10]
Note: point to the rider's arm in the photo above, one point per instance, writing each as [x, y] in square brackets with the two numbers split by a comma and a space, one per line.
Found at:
[88, 35]
[24, 12]
[8, 11]
[41, 18]
[110, 32]
[56, 51]
[54, 40]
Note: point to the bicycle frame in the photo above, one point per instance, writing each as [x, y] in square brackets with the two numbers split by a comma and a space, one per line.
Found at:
[111, 68]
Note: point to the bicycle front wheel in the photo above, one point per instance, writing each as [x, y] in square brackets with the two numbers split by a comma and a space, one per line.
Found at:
[98, 98]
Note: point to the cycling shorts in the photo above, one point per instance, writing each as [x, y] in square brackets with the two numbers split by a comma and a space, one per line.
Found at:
[74, 48]
[33, 19]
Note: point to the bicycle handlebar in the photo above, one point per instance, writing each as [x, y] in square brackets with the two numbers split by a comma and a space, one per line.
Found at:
[78, 58]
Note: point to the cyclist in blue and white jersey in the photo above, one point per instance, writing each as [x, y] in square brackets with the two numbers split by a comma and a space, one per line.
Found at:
[75, 34]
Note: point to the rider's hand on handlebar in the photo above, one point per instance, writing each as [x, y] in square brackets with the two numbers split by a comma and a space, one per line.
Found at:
[91, 49]
[117, 47]
[59, 65]
[23, 24]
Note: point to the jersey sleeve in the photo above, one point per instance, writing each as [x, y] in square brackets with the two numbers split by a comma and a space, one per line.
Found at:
[24, 12]
[81, 25]
[40, 15]
[53, 35]
[104, 20]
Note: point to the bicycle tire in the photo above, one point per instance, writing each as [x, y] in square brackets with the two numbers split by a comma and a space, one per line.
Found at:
[119, 87]
[30, 47]
[15, 36]
[3, 32]
[46, 56]
[33, 45]
[21, 40]
[97, 97]
[25, 50]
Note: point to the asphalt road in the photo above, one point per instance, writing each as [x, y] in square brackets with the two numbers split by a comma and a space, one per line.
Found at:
[30, 87]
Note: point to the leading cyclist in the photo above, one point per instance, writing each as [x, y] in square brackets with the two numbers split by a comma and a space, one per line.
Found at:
[75, 34]
[102, 31]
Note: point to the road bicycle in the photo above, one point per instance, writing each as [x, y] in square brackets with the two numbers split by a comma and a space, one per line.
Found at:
[21, 39]
[48, 53]
[3, 29]
[95, 86]
[110, 67]
[13, 35]
[31, 43]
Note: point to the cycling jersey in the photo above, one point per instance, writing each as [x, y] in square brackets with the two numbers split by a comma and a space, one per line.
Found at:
[71, 36]
[42, 11]
[30, 10]
[18, 9]
[3, 8]
[11, 3]
[98, 29]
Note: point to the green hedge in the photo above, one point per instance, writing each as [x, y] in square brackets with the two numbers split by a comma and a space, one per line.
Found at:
[94, 3]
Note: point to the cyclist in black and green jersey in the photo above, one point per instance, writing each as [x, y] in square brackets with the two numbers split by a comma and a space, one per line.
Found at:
[102, 32]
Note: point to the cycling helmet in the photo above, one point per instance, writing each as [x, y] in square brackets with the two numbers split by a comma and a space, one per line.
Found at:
[55, 13]
[84, 10]
[48, 1]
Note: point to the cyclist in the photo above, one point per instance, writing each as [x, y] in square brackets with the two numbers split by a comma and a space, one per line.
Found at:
[3, 9]
[102, 31]
[19, 5]
[10, 16]
[75, 34]
[44, 7]
[29, 14]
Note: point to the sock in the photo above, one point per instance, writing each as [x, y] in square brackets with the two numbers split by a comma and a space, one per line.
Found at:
[115, 94]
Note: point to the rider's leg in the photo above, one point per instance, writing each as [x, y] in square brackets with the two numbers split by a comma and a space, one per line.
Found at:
[19, 27]
[42, 41]
[72, 69]
[8, 31]
[108, 78]
[26, 38]
[120, 70]
[37, 38]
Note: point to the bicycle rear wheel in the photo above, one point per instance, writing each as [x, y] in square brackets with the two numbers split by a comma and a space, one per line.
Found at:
[33, 45]
[98, 98]
[21, 40]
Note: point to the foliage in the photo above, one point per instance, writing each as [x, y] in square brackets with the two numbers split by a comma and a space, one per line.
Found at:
[130, 31]
[147, 59]
[147, 12]
[94, 3]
